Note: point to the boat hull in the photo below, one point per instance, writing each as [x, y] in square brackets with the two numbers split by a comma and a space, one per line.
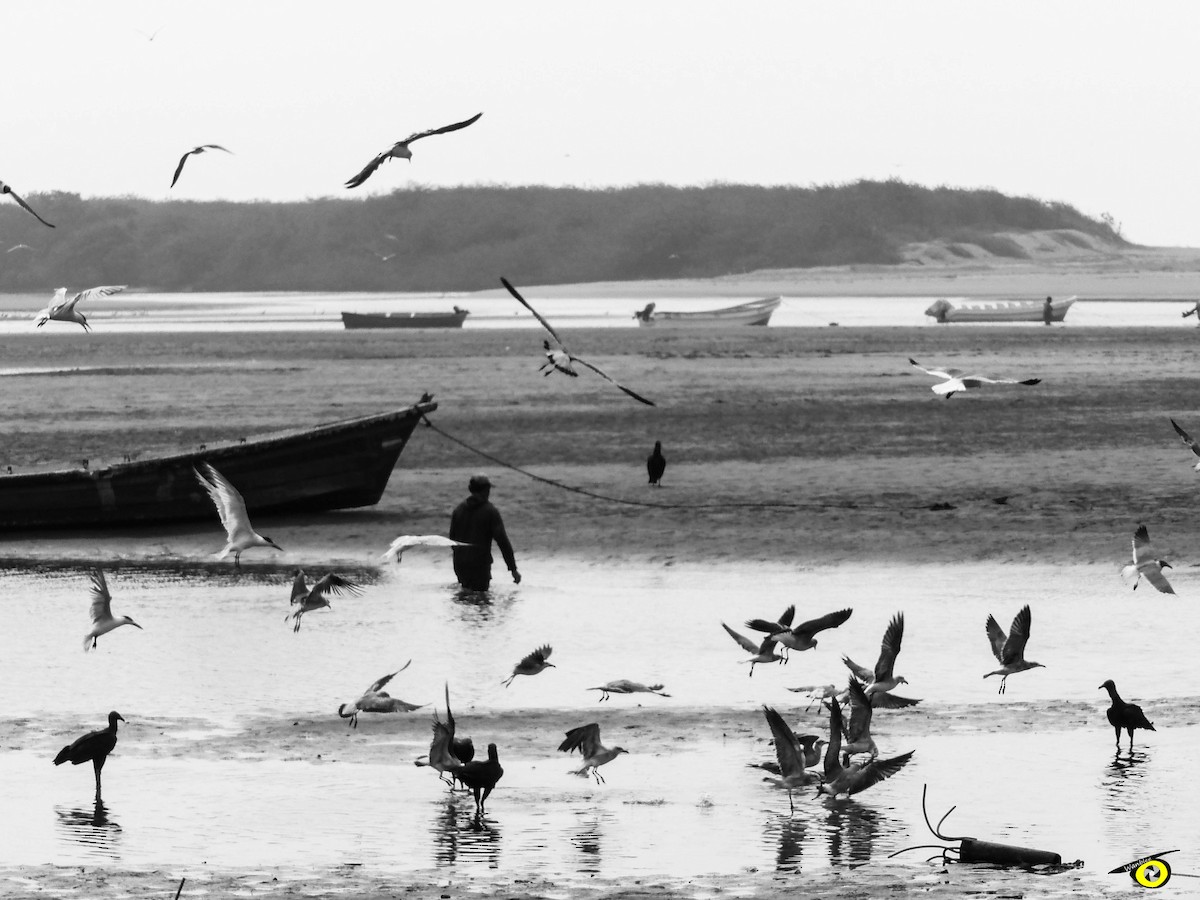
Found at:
[1011, 311]
[756, 312]
[336, 466]
[405, 320]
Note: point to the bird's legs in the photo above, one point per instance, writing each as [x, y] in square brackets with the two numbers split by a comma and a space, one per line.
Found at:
[237, 560]
[599, 777]
[1003, 683]
[97, 765]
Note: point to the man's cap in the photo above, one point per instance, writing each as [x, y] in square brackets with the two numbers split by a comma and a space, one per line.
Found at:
[478, 482]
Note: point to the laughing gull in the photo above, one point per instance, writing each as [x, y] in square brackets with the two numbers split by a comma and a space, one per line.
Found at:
[1010, 650]
[375, 700]
[882, 677]
[624, 686]
[400, 149]
[5, 189]
[232, 510]
[1124, 715]
[317, 596]
[586, 739]
[195, 151]
[531, 664]
[1145, 564]
[792, 771]
[956, 380]
[1188, 440]
[858, 732]
[405, 541]
[103, 621]
[560, 359]
[94, 746]
[846, 780]
[63, 310]
[800, 637]
[763, 653]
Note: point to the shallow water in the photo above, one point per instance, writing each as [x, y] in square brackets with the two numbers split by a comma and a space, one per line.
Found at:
[1034, 767]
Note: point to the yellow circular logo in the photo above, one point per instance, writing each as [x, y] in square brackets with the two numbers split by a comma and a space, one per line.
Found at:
[1153, 873]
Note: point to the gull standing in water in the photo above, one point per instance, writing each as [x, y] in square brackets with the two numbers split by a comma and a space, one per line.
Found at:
[1010, 650]
[882, 678]
[317, 596]
[63, 310]
[559, 358]
[586, 739]
[763, 653]
[375, 700]
[800, 637]
[232, 510]
[624, 686]
[851, 779]
[1145, 564]
[195, 151]
[400, 149]
[94, 746]
[1124, 715]
[1188, 440]
[955, 380]
[5, 189]
[532, 664]
[402, 543]
[103, 621]
[792, 771]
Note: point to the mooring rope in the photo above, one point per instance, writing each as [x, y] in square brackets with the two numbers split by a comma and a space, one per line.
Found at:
[784, 504]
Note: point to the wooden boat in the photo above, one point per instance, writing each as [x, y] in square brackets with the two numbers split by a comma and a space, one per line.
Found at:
[755, 312]
[1003, 311]
[335, 466]
[406, 319]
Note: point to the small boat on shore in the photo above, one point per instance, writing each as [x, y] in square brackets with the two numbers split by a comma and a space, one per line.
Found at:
[1002, 311]
[340, 465]
[406, 319]
[754, 312]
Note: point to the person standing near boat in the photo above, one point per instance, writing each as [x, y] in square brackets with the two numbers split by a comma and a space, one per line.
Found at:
[477, 522]
[1047, 312]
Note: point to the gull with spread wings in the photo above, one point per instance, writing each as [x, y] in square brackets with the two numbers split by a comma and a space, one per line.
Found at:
[763, 653]
[63, 310]
[5, 189]
[792, 771]
[400, 149]
[1188, 441]
[317, 596]
[800, 637]
[955, 380]
[586, 739]
[231, 507]
[376, 700]
[402, 543]
[1145, 564]
[846, 780]
[882, 678]
[195, 151]
[559, 358]
[1010, 649]
[103, 621]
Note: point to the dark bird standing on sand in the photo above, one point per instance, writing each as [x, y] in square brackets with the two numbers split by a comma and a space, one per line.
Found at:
[531, 664]
[95, 745]
[1145, 564]
[560, 358]
[586, 739]
[194, 151]
[656, 464]
[5, 189]
[317, 596]
[850, 779]
[1124, 715]
[1010, 650]
[400, 149]
[800, 637]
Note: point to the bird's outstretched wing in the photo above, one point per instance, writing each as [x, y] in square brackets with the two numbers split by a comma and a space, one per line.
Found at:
[833, 750]
[890, 647]
[540, 655]
[937, 373]
[863, 673]
[91, 294]
[1018, 636]
[179, 168]
[996, 637]
[585, 739]
[829, 620]
[1142, 551]
[879, 769]
[5, 189]
[336, 585]
[537, 315]
[416, 136]
[609, 378]
[744, 642]
[860, 712]
[367, 171]
[225, 497]
[101, 599]
[1188, 440]
[194, 150]
[299, 587]
[976, 380]
[386, 678]
[790, 760]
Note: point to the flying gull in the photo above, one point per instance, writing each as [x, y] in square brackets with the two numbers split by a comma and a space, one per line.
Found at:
[232, 510]
[624, 686]
[5, 189]
[532, 664]
[1188, 441]
[402, 543]
[851, 779]
[1145, 564]
[376, 700]
[586, 739]
[956, 380]
[63, 310]
[882, 677]
[800, 637]
[1010, 649]
[317, 596]
[103, 621]
[400, 149]
[763, 653]
[792, 771]
[195, 151]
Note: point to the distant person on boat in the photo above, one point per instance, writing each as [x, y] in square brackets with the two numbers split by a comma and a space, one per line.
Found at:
[1047, 312]
[477, 522]
[1194, 311]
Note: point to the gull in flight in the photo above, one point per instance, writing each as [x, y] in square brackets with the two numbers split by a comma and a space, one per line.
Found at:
[63, 310]
[103, 621]
[317, 596]
[195, 151]
[5, 189]
[232, 510]
[845, 780]
[800, 637]
[531, 664]
[882, 678]
[763, 653]
[858, 732]
[792, 771]
[1010, 649]
[1145, 564]
[447, 753]
[400, 149]
[402, 543]
[1188, 442]
[624, 686]
[375, 700]
[94, 746]
[586, 739]
[559, 358]
[1124, 715]
[955, 380]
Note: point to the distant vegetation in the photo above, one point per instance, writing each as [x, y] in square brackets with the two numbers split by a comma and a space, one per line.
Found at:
[464, 238]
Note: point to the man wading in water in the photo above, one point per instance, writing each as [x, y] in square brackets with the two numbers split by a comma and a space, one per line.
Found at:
[476, 522]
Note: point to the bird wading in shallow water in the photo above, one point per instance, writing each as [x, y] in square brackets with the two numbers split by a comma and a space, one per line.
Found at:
[103, 621]
[586, 739]
[1146, 564]
[1124, 715]
[656, 464]
[1010, 650]
[240, 536]
[531, 664]
[94, 746]
[63, 310]
[481, 776]
[400, 149]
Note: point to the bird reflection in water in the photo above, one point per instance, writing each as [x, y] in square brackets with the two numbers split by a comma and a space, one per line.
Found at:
[852, 830]
[461, 834]
[790, 841]
[91, 827]
[1124, 785]
[586, 838]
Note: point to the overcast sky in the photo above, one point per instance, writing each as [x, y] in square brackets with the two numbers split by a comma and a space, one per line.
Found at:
[1089, 103]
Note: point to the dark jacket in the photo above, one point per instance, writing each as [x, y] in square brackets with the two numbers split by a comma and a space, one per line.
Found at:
[475, 521]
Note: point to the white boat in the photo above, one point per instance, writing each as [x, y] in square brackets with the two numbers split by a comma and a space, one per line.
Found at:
[754, 312]
[1001, 311]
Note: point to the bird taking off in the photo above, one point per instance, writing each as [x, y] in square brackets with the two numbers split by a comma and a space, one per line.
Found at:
[63, 310]
[1010, 649]
[847, 780]
[1145, 564]
[400, 149]
[586, 739]
[656, 464]
[447, 752]
[762, 653]
[800, 637]
[531, 664]
[195, 151]
[103, 621]
[317, 596]
[792, 771]
[94, 746]
[232, 510]
[559, 358]
[402, 543]
[5, 189]
[955, 380]
[1124, 715]
[1188, 440]
[376, 700]
[624, 686]
[882, 677]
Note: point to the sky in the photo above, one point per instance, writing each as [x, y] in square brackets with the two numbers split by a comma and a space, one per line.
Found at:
[1089, 103]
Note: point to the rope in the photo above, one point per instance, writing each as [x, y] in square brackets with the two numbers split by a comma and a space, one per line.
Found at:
[648, 503]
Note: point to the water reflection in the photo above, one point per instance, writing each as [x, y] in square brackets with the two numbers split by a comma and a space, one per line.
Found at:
[586, 838]
[461, 834]
[851, 830]
[1124, 781]
[790, 841]
[480, 607]
[91, 828]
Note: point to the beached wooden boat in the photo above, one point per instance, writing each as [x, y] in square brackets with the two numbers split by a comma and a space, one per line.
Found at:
[335, 466]
[755, 312]
[406, 319]
[1002, 311]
